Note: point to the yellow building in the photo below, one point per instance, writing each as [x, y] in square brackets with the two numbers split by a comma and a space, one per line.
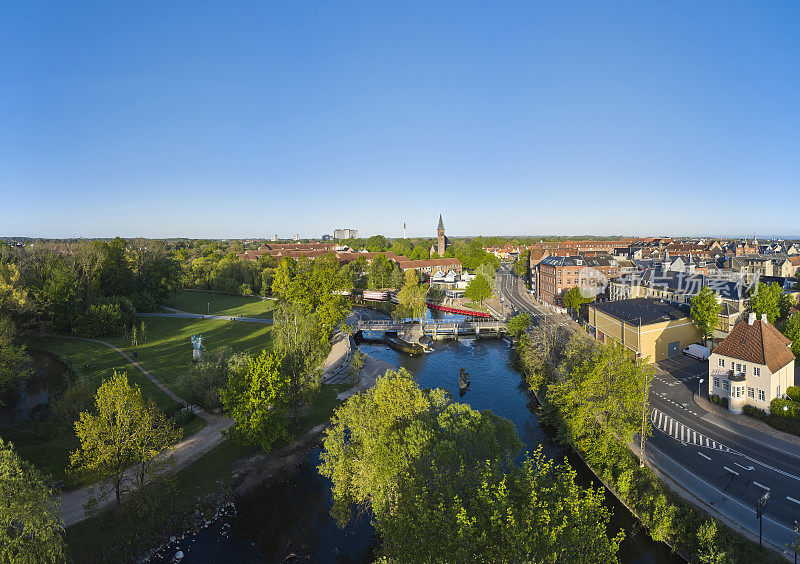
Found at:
[648, 328]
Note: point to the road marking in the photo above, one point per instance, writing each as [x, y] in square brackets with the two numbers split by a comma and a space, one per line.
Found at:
[793, 499]
[731, 471]
[743, 467]
[762, 486]
[704, 456]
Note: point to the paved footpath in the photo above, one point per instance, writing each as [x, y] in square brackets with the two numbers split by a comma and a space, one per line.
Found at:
[178, 314]
[184, 453]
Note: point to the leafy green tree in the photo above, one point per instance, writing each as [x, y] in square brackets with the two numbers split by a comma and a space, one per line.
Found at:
[766, 299]
[574, 299]
[30, 524]
[518, 324]
[412, 297]
[705, 312]
[123, 433]
[522, 265]
[439, 480]
[301, 342]
[708, 552]
[478, 289]
[397, 278]
[257, 398]
[791, 328]
[377, 244]
[380, 272]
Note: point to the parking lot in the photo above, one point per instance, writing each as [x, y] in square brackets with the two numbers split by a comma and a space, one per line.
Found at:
[683, 369]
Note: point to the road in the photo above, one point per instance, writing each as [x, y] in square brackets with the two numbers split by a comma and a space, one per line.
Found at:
[724, 466]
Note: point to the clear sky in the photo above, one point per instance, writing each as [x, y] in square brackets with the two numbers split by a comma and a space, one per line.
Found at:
[229, 119]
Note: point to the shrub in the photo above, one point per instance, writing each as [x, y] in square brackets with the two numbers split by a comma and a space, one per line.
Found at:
[784, 408]
[245, 290]
[101, 320]
[755, 412]
[782, 424]
[714, 398]
[794, 393]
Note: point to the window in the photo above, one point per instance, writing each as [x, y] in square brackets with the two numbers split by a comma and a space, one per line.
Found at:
[756, 371]
[744, 369]
[726, 385]
[751, 393]
[760, 395]
[716, 382]
[778, 391]
[721, 362]
[738, 367]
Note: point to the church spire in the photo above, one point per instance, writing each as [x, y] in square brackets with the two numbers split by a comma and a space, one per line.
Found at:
[441, 223]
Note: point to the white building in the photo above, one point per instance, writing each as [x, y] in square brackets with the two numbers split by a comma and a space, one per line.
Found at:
[753, 365]
[345, 234]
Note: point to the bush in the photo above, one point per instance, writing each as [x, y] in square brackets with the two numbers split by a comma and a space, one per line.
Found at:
[791, 426]
[755, 412]
[784, 408]
[245, 290]
[794, 393]
[714, 398]
[204, 379]
[101, 320]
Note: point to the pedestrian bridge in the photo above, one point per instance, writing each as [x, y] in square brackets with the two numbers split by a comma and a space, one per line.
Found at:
[438, 329]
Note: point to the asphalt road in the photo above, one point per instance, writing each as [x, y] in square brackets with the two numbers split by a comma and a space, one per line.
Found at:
[725, 466]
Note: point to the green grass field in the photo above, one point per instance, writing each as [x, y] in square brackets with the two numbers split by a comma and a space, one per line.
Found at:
[221, 304]
[165, 352]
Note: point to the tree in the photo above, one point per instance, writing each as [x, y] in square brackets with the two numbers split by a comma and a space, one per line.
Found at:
[478, 289]
[397, 277]
[301, 342]
[518, 324]
[705, 312]
[440, 482]
[411, 299]
[522, 265]
[791, 328]
[574, 299]
[123, 433]
[707, 550]
[30, 522]
[767, 300]
[257, 398]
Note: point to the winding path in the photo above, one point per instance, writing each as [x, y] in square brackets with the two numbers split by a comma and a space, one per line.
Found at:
[178, 314]
[185, 452]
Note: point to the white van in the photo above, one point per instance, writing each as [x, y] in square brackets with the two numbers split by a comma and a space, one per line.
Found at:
[697, 351]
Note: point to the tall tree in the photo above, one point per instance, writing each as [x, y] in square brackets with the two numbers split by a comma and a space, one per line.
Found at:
[705, 312]
[766, 299]
[478, 289]
[30, 524]
[574, 299]
[257, 398]
[791, 328]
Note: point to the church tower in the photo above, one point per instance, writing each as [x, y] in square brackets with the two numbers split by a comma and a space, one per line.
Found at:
[441, 242]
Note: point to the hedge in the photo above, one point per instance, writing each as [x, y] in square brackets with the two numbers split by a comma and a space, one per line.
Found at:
[784, 408]
[794, 393]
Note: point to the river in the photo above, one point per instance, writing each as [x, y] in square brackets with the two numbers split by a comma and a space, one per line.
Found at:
[49, 376]
[293, 517]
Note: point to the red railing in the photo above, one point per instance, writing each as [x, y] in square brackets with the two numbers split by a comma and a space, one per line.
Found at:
[468, 312]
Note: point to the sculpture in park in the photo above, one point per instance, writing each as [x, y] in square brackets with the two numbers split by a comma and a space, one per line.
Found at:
[197, 347]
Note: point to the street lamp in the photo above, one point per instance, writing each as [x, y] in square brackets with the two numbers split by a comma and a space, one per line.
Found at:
[761, 505]
[698, 386]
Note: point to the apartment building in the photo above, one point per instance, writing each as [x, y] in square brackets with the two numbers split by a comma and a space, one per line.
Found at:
[555, 275]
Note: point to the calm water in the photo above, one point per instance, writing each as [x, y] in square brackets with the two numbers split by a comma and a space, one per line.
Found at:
[293, 517]
[50, 376]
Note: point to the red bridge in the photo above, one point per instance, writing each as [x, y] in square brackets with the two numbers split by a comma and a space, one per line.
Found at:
[448, 309]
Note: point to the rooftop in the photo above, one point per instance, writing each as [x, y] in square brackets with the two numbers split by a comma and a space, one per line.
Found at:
[642, 311]
[759, 343]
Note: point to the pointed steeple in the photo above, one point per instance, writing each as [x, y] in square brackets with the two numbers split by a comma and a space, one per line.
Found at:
[441, 223]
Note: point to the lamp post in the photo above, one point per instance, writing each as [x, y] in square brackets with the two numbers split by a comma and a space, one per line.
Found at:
[761, 505]
[698, 386]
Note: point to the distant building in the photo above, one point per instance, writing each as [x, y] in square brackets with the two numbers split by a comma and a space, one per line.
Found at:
[429, 267]
[752, 366]
[442, 242]
[297, 237]
[325, 237]
[274, 238]
[345, 234]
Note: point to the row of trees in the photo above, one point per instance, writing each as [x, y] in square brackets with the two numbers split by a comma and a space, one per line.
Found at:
[441, 482]
[595, 397]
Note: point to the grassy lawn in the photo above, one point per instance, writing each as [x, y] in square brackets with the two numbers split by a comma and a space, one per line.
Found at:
[166, 353]
[114, 536]
[221, 304]
[48, 447]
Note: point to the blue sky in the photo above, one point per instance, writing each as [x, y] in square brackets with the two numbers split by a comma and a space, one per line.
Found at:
[246, 119]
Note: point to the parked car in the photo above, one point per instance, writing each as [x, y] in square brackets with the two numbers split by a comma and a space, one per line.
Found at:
[697, 351]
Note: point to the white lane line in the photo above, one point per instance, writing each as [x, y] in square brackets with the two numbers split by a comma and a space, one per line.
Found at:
[734, 472]
[793, 499]
[762, 486]
[704, 456]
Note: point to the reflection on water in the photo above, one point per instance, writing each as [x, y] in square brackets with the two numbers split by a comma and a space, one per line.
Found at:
[49, 376]
[293, 517]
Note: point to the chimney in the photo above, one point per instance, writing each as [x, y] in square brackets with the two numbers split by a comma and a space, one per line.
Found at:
[763, 318]
[751, 318]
